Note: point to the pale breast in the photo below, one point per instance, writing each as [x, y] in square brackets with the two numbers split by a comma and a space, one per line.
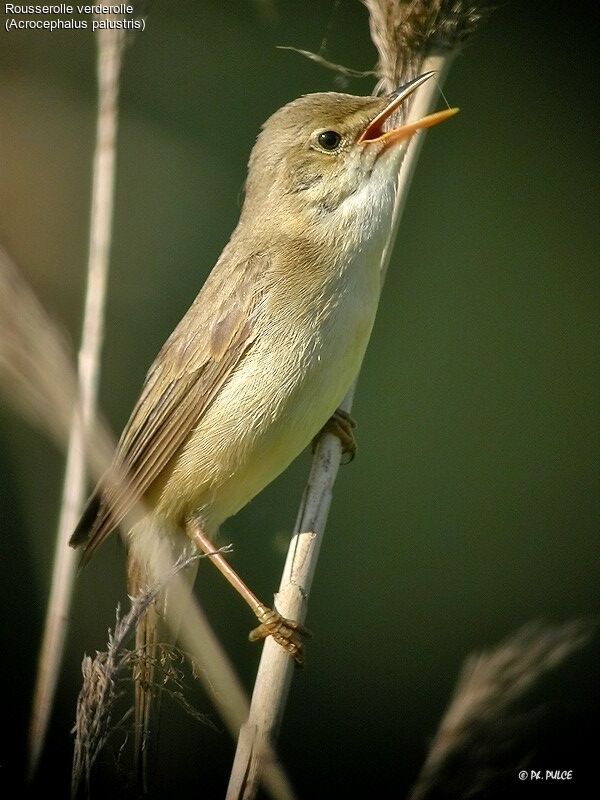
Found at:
[307, 354]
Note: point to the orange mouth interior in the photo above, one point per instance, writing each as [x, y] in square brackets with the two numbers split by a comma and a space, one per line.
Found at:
[374, 131]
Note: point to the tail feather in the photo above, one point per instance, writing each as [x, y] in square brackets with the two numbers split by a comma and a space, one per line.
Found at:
[97, 521]
[86, 524]
[152, 635]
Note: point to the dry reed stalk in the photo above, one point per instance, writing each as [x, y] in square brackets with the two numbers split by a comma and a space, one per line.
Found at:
[110, 46]
[65, 407]
[37, 377]
[410, 37]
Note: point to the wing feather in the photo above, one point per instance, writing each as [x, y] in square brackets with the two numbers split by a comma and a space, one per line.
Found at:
[194, 364]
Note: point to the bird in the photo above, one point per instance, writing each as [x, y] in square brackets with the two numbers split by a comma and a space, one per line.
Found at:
[262, 359]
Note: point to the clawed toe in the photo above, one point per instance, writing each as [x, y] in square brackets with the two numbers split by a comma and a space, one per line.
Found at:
[341, 425]
[286, 632]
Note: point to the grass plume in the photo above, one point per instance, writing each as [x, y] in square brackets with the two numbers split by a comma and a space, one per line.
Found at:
[403, 31]
[476, 742]
[96, 719]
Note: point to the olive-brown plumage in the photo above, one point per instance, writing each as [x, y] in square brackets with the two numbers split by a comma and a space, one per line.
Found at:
[275, 337]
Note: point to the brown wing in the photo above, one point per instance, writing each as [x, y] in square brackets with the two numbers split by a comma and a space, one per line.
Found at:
[195, 362]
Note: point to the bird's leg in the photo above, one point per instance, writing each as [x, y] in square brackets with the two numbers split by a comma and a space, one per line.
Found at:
[341, 425]
[284, 631]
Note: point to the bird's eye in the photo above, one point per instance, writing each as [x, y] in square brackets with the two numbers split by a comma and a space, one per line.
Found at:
[329, 140]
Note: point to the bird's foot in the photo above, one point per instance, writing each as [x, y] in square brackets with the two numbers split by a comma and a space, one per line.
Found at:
[286, 632]
[341, 425]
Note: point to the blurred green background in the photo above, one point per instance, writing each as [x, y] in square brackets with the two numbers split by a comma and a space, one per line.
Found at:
[472, 506]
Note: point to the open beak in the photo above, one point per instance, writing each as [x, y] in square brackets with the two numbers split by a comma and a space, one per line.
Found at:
[374, 130]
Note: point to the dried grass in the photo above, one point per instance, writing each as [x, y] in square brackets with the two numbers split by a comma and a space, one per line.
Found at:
[106, 674]
[403, 31]
[474, 742]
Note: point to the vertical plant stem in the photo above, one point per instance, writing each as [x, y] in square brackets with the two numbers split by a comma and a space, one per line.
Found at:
[110, 44]
[258, 734]
[29, 341]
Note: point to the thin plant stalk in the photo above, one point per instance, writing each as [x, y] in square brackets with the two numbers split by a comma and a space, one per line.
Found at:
[110, 44]
[410, 37]
[88, 442]
[46, 395]
[276, 668]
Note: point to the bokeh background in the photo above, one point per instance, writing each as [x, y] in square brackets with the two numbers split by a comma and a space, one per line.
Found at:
[472, 506]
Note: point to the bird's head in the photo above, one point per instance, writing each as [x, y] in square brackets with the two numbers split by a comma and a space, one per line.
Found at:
[328, 153]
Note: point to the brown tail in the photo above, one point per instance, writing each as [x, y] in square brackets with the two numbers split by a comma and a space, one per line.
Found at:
[152, 635]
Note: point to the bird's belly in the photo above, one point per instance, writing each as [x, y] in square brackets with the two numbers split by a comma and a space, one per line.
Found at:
[270, 410]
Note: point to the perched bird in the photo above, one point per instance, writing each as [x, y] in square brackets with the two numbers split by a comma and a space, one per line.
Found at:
[271, 344]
